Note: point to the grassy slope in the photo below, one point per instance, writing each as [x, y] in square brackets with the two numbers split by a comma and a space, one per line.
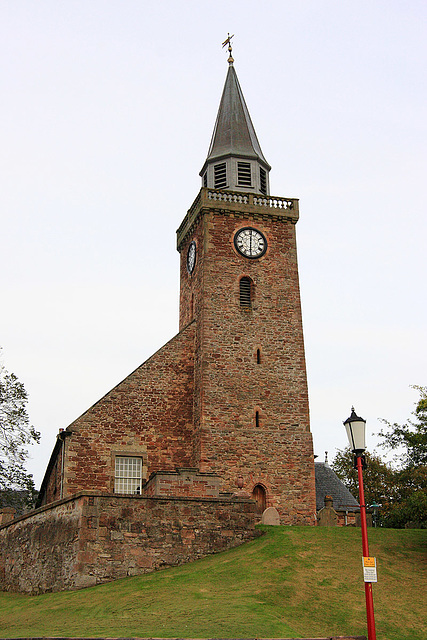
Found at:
[292, 582]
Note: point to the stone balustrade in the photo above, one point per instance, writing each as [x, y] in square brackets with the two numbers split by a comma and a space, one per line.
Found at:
[228, 196]
[237, 203]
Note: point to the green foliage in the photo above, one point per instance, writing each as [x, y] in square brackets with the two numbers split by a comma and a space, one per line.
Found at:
[378, 477]
[410, 438]
[16, 434]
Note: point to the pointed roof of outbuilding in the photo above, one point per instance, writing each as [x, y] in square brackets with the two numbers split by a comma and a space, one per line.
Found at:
[328, 483]
[234, 133]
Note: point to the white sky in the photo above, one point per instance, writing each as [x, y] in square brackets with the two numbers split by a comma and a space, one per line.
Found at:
[106, 116]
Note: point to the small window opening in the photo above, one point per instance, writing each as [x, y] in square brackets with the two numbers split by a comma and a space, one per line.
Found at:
[128, 475]
[257, 419]
[220, 175]
[262, 180]
[244, 174]
[258, 356]
[246, 292]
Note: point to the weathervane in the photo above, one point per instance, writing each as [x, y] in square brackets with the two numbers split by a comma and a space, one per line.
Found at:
[228, 41]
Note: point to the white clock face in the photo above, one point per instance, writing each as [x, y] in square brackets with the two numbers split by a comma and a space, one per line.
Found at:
[191, 257]
[250, 243]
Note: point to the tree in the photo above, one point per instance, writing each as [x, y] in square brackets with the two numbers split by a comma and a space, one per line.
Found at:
[16, 434]
[378, 477]
[410, 440]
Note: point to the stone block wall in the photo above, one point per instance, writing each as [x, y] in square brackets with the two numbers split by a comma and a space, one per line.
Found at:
[183, 483]
[251, 412]
[93, 538]
[148, 415]
[39, 551]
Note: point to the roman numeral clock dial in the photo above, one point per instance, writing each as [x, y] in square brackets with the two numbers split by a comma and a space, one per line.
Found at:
[191, 257]
[250, 243]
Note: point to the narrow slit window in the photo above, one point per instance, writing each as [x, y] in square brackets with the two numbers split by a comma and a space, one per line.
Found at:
[262, 180]
[246, 292]
[258, 356]
[220, 175]
[257, 419]
[244, 178]
[128, 475]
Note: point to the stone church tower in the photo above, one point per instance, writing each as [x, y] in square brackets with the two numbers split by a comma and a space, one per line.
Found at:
[227, 396]
[239, 282]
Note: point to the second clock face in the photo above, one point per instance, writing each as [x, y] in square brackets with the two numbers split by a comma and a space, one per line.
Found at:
[191, 257]
[250, 242]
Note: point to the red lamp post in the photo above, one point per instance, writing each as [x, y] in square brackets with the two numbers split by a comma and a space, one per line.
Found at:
[355, 428]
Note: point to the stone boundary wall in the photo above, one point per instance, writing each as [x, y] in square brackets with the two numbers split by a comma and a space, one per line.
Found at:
[94, 537]
[183, 483]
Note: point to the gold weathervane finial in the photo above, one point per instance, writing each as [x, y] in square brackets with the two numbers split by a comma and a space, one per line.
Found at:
[228, 41]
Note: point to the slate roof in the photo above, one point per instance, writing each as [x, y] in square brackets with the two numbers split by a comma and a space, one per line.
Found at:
[328, 483]
[234, 133]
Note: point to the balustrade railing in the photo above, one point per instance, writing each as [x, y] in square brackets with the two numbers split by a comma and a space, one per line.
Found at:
[273, 202]
[223, 196]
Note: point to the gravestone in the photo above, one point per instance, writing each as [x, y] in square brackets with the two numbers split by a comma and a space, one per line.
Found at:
[270, 516]
[327, 517]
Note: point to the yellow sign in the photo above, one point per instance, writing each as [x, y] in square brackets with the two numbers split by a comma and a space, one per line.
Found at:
[369, 562]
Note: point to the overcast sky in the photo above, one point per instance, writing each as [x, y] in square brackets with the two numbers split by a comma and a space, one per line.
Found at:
[107, 112]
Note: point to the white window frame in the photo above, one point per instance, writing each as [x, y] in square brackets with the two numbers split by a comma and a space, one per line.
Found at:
[128, 474]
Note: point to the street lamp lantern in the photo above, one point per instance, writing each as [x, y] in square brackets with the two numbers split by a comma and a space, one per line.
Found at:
[356, 428]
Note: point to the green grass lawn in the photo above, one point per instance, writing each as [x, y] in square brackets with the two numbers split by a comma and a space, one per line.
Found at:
[292, 582]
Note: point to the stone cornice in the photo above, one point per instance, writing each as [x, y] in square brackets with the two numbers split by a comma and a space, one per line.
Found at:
[238, 204]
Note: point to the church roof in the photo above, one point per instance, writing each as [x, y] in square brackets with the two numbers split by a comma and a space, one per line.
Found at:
[328, 484]
[234, 133]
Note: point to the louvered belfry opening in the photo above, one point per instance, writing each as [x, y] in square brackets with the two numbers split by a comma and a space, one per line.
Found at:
[244, 174]
[246, 292]
[262, 180]
[220, 176]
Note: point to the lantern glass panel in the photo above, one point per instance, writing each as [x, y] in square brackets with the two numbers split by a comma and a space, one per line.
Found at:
[356, 434]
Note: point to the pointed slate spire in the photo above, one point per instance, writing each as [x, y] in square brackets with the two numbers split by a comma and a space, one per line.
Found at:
[235, 160]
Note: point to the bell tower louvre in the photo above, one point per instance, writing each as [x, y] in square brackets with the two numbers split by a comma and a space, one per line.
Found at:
[226, 398]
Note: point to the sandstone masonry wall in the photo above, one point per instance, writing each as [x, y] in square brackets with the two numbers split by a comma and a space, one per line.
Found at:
[93, 538]
[149, 415]
[251, 412]
[39, 551]
[183, 483]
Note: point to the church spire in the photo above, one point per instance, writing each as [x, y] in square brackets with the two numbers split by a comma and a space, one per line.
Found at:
[235, 160]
